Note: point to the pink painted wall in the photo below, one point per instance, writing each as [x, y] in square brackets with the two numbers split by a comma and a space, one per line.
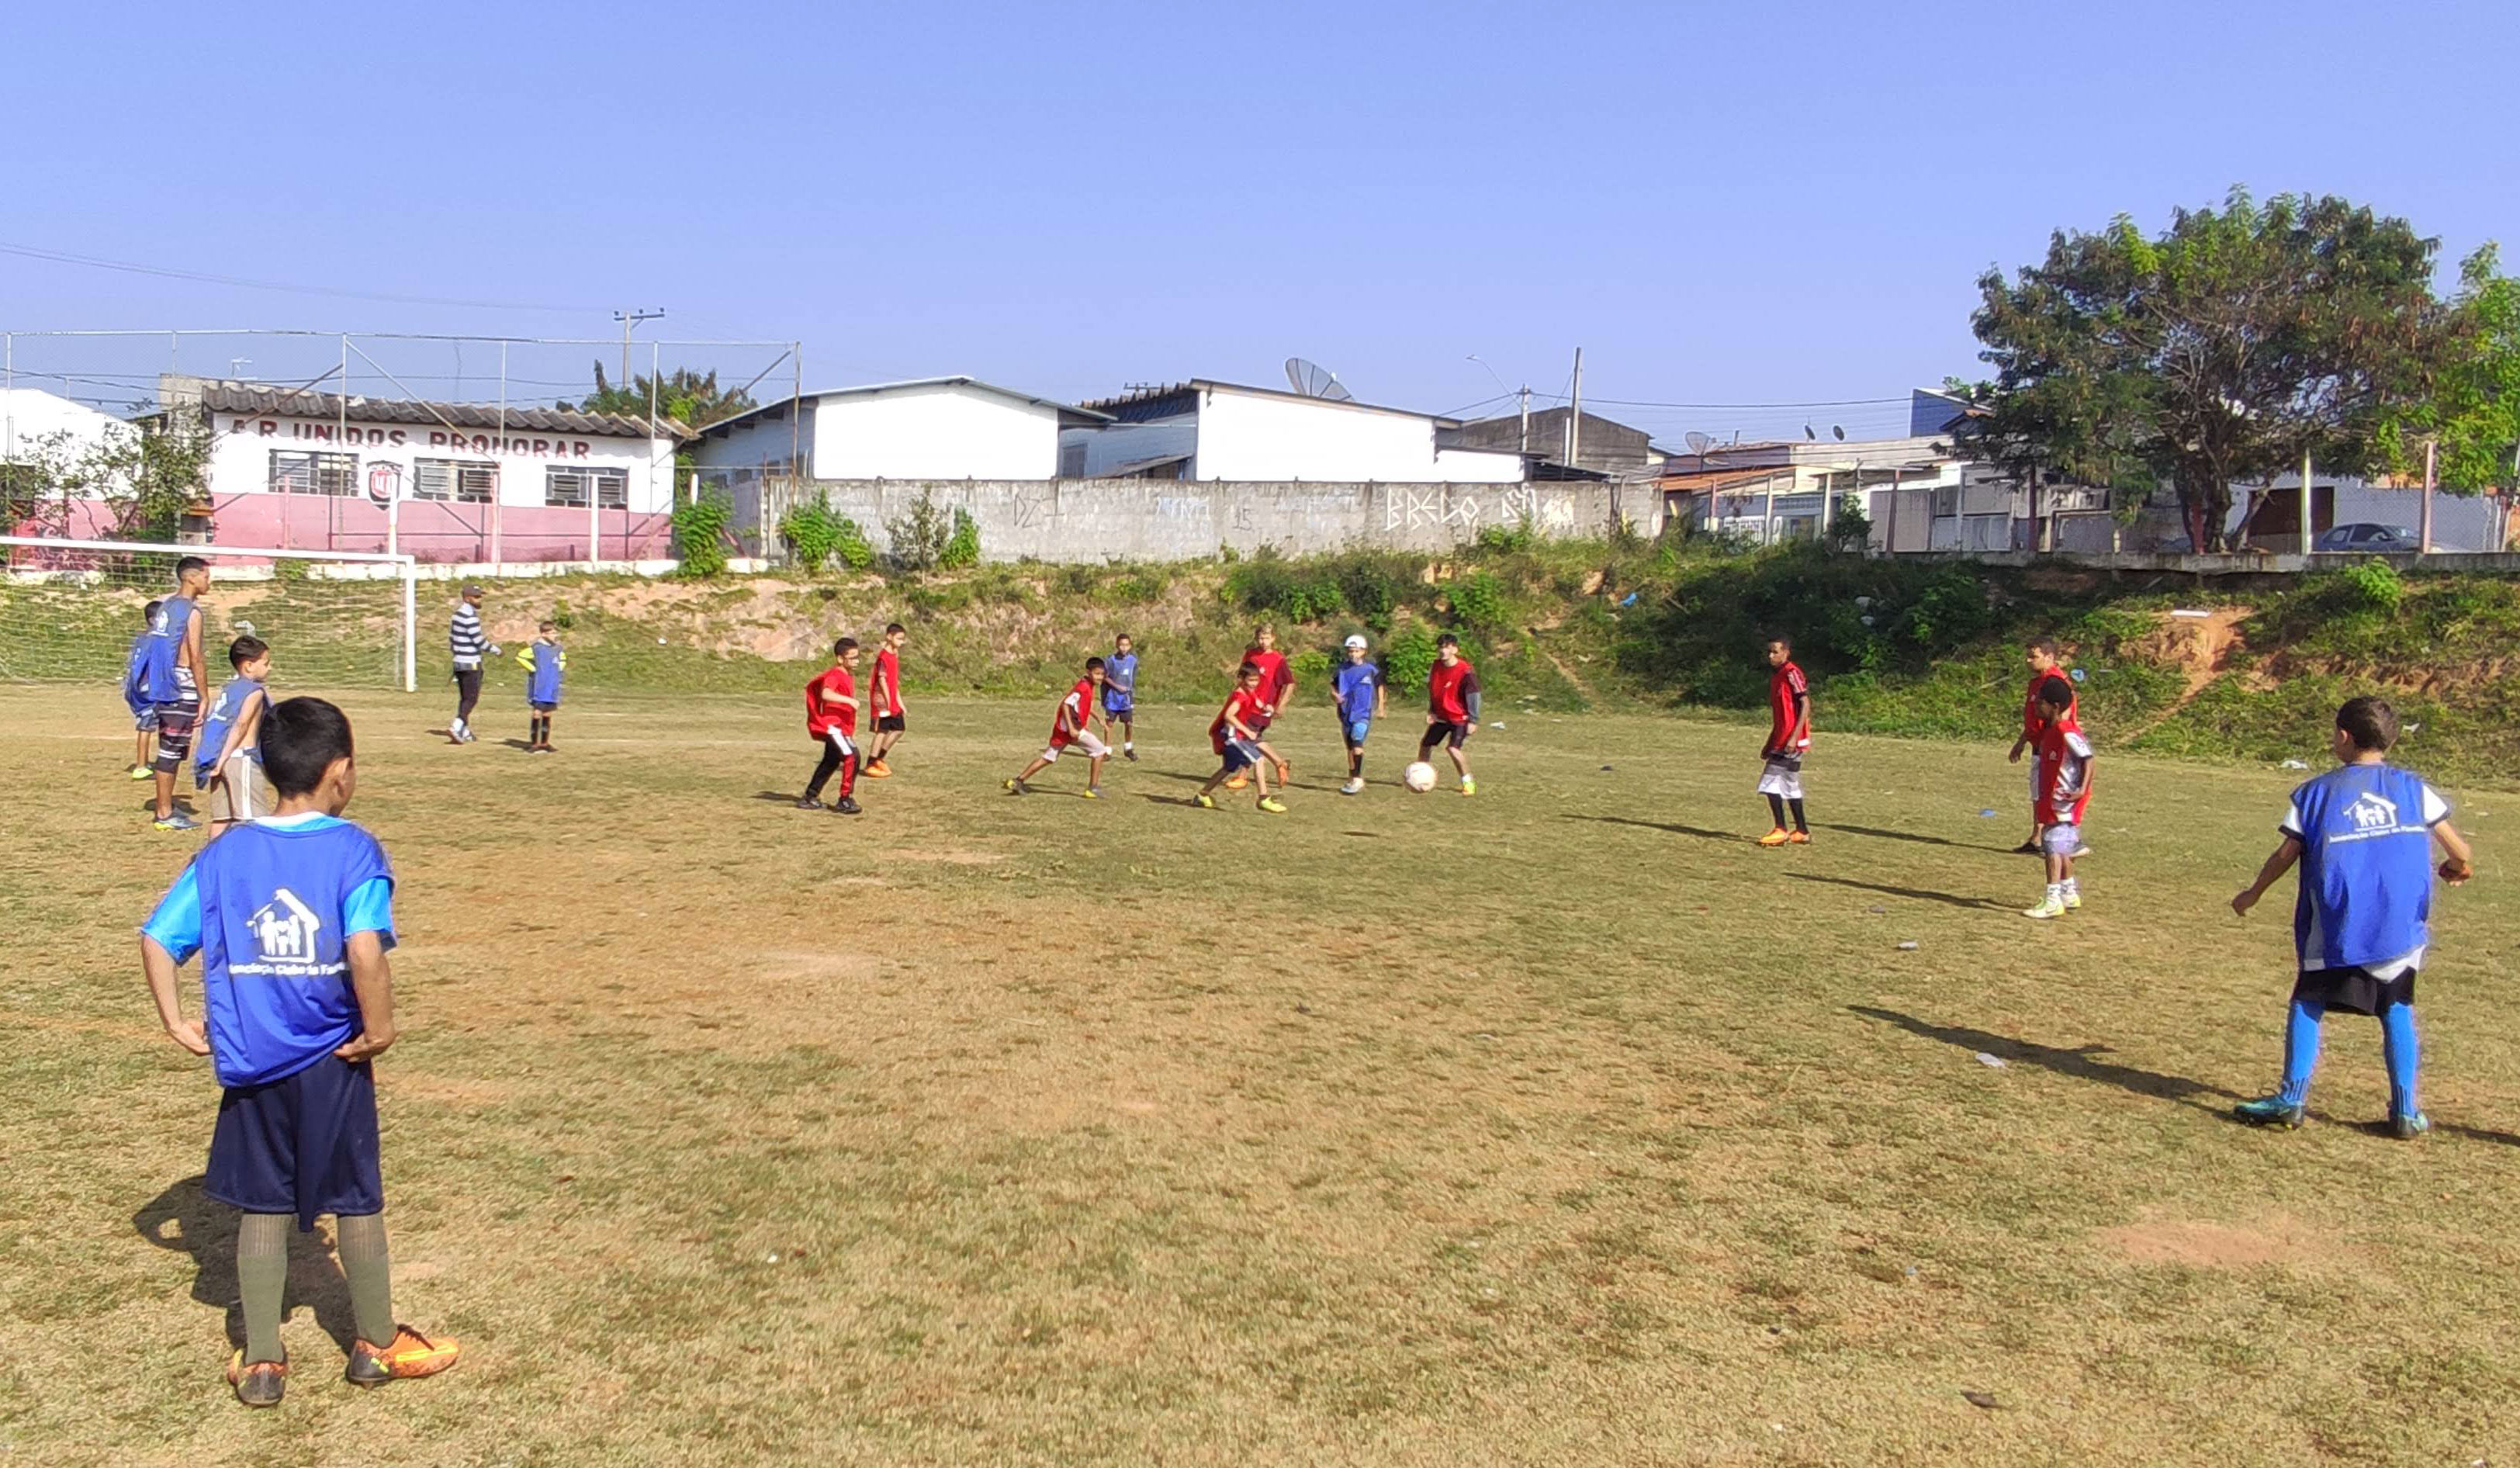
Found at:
[431, 530]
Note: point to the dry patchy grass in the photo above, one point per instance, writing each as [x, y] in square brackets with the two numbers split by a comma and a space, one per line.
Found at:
[1557, 1126]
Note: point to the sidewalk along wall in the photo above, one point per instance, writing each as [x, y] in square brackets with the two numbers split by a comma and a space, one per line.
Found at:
[1168, 519]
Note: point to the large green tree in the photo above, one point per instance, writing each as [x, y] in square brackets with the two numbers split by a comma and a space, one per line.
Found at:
[691, 398]
[2471, 407]
[2214, 353]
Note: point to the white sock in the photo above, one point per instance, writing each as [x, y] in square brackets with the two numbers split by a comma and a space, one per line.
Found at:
[1128, 744]
[2056, 891]
[2071, 890]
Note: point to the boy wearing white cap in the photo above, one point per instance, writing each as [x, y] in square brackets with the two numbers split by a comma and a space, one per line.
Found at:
[1359, 686]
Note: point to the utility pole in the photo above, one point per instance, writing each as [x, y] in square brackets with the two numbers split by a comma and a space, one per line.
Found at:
[2424, 535]
[1575, 412]
[1523, 443]
[2306, 541]
[629, 320]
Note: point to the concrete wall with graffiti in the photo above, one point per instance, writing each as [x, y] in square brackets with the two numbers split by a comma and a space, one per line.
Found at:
[1166, 519]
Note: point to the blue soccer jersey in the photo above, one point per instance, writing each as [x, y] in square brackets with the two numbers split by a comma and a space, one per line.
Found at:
[544, 663]
[136, 669]
[224, 709]
[163, 670]
[270, 908]
[2366, 879]
[1120, 680]
[1355, 683]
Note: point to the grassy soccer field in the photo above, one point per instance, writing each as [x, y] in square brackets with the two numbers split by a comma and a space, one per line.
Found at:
[1556, 1126]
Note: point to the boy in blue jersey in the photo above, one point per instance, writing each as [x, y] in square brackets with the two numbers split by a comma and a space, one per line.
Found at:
[229, 761]
[544, 662]
[1358, 686]
[1120, 696]
[293, 917]
[2359, 832]
[135, 693]
[175, 675]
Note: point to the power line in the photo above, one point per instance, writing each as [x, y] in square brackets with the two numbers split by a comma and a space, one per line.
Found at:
[93, 262]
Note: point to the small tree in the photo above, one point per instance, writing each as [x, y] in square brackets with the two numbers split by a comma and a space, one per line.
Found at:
[147, 474]
[921, 536]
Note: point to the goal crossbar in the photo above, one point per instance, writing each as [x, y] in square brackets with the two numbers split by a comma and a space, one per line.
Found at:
[403, 567]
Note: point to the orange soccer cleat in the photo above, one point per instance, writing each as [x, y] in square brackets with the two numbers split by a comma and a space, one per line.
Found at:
[411, 1355]
[1799, 838]
[879, 770]
[1777, 837]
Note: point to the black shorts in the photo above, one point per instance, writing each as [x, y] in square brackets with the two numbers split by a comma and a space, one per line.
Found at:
[1241, 754]
[890, 723]
[303, 1144]
[1445, 733]
[2354, 990]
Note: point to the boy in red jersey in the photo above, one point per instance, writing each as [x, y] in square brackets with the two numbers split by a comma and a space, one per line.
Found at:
[1235, 733]
[2042, 655]
[1452, 709]
[1277, 685]
[832, 718]
[1072, 726]
[1780, 778]
[887, 702]
[2064, 794]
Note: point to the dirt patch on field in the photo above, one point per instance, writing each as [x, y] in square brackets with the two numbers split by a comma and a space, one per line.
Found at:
[2202, 1245]
[948, 856]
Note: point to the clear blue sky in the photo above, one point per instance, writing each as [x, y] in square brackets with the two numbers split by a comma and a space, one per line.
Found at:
[1721, 203]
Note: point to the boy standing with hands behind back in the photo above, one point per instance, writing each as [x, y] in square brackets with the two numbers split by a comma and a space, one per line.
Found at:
[2362, 833]
[292, 915]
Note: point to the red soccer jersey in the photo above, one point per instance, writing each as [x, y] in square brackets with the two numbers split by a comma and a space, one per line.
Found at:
[887, 677]
[1275, 682]
[1242, 704]
[821, 715]
[2065, 772]
[1788, 701]
[1448, 690]
[2031, 723]
[1074, 709]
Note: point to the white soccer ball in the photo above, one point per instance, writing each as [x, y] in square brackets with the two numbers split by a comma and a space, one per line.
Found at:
[1419, 776]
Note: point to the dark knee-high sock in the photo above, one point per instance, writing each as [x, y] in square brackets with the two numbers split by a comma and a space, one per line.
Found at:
[1797, 804]
[262, 1277]
[1776, 810]
[365, 1262]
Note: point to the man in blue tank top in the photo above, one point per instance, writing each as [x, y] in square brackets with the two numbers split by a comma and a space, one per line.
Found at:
[293, 917]
[2363, 834]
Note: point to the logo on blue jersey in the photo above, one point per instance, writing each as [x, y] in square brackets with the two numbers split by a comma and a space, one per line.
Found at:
[284, 933]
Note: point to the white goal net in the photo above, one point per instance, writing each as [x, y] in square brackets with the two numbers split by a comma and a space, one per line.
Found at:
[335, 619]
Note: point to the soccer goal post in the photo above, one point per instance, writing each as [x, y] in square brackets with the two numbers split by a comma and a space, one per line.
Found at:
[71, 608]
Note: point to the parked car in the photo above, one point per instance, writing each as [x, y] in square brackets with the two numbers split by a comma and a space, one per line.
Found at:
[2369, 537]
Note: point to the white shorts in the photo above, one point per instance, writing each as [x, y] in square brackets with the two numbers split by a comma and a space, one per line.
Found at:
[1084, 741]
[2063, 838]
[1782, 775]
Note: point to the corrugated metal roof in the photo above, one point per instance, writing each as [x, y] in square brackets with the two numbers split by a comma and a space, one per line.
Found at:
[247, 397]
[1121, 404]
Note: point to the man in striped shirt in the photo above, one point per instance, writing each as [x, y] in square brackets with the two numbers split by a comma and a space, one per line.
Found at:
[467, 644]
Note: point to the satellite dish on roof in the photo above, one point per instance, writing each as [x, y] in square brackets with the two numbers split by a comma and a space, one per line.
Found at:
[1839, 431]
[1315, 380]
[1698, 443]
[1807, 432]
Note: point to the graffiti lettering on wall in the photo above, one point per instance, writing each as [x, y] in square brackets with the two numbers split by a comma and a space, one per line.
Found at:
[1429, 510]
[1552, 515]
[1033, 511]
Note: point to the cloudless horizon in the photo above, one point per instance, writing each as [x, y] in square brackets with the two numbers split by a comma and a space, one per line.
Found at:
[1720, 205]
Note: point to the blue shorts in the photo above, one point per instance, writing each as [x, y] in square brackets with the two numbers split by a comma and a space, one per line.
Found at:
[1241, 754]
[1358, 729]
[144, 717]
[303, 1144]
[1118, 708]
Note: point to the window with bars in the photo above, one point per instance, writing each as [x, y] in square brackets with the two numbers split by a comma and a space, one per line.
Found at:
[466, 481]
[298, 474]
[571, 488]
